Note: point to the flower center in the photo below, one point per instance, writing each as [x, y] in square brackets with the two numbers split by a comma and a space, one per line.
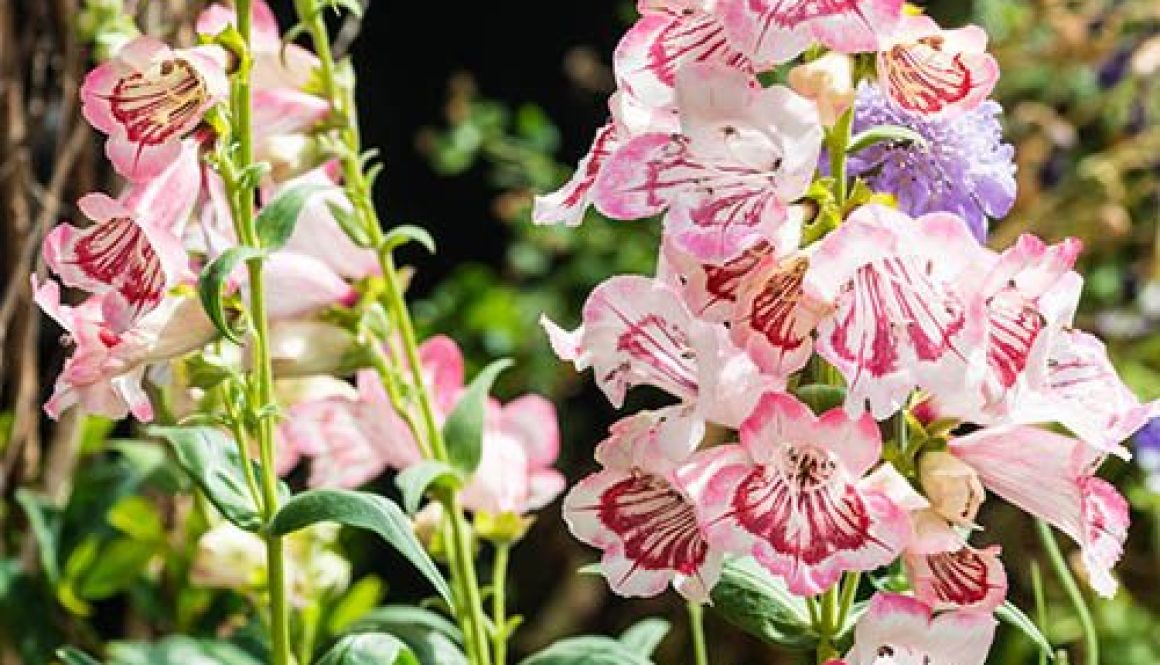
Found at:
[656, 523]
[159, 103]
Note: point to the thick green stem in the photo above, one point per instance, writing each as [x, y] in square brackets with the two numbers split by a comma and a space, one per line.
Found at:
[499, 636]
[1059, 565]
[470, 613]
[836, 142]
[849, 595]
[242, 199]
[697, 629]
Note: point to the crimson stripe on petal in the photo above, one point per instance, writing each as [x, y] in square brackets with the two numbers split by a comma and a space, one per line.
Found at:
[657, 525]
[117, 252]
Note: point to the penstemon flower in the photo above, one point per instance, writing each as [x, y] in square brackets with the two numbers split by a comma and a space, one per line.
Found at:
[899, 630]
[150, 97]
[792, 494]
[962, 166]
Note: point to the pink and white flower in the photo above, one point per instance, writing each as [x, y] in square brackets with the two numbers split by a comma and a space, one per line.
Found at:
[637, 331]
[521, 442]
[793, 495]
[947, 573]
[104, 373]
[898, 630]
[743, 154]
[900, 319]
[775, 31]
[148, 98]
[927, 70]
[669, 35]
[640, 517]
[1053, 477]
[131, 259]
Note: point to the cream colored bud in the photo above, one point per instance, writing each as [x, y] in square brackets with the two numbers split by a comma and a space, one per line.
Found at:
[829, 82]
[228, 558]
[305, 348]
[289, 155]
[952, 486]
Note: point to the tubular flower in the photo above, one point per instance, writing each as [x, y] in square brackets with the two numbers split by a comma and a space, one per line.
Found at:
[900, 630]
[1053, 477]
[643, 521]
[947, 573]
[792, 494]
[900, 320]
[775, 31]
[669, 35]
[930, 71]
[132, 259]
[637, 331]
[742, 155]
[961, 167]
[148, 98]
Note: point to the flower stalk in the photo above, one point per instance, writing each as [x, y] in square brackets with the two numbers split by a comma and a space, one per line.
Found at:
[1071, 588]
[499, 636]
[697, 628]
[470, 613]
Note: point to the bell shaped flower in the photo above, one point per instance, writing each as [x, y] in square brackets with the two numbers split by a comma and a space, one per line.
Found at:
[634, 510]
[775, 31]
[947, 573]
[899, 318]
[105, 370]
[637, 331]
[133, 260]
[793, 494]
[630, 118]
[743, 154]
[710, 290]
[669, 35]
[521, 441]
[148, 98]
[1052, 477]
[900, 630]
[930, 71]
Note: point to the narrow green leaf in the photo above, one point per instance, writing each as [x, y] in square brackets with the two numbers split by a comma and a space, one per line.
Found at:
[360, 510]
[276, 221]
[820, 397]
[210, 457]
[44, 522]
[213, 279]
[74, 656]
[752, 599]
[360, 599]
[350, 224]
[415, 479]
[644, 636]
[1010, 614]
[586, 650]
[883, 134]
[463, 430]
[401, 235]
[370, 649]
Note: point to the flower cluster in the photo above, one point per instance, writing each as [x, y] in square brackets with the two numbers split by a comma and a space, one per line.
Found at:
[880, 368]
[139, 259]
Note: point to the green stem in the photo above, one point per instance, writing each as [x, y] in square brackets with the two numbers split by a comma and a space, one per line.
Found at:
[1040, 605]
[242, 196]
[237, 426]
[697, 628]
[826, 625]
[499, 636]
[1059, 565]
[837, 140]
[460, 550]
[849, 595]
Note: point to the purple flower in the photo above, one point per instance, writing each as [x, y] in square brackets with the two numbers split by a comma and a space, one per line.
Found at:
[1148, 452]
[964, 168]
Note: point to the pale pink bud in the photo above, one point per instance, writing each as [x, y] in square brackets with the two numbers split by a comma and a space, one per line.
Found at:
[828, 81]
[952, 486]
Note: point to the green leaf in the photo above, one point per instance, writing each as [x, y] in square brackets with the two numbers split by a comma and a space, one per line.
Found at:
[211, 459]
[120, 563]
[645, 635]
[401, 235]
[360, 599]
[44, 521]
[586, 650]
[178, 650]
[276, 222]
[74, 656]
[350, 224]
[360, 510]
[415, 479]
[213, 279]
[820, 397]
[1010, 614]
[752, 599]
[136, 517]
[463, 430]
[370, 649]
[883, 134]
[433, 639]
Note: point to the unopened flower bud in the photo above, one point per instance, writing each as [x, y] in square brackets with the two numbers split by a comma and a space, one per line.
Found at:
[228, 558]
[829, 82]
[952, 486]
[305, 348]
[289, 155]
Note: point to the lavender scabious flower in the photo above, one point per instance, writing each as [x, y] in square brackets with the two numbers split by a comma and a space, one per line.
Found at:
[1148, 452]
[964, 168]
